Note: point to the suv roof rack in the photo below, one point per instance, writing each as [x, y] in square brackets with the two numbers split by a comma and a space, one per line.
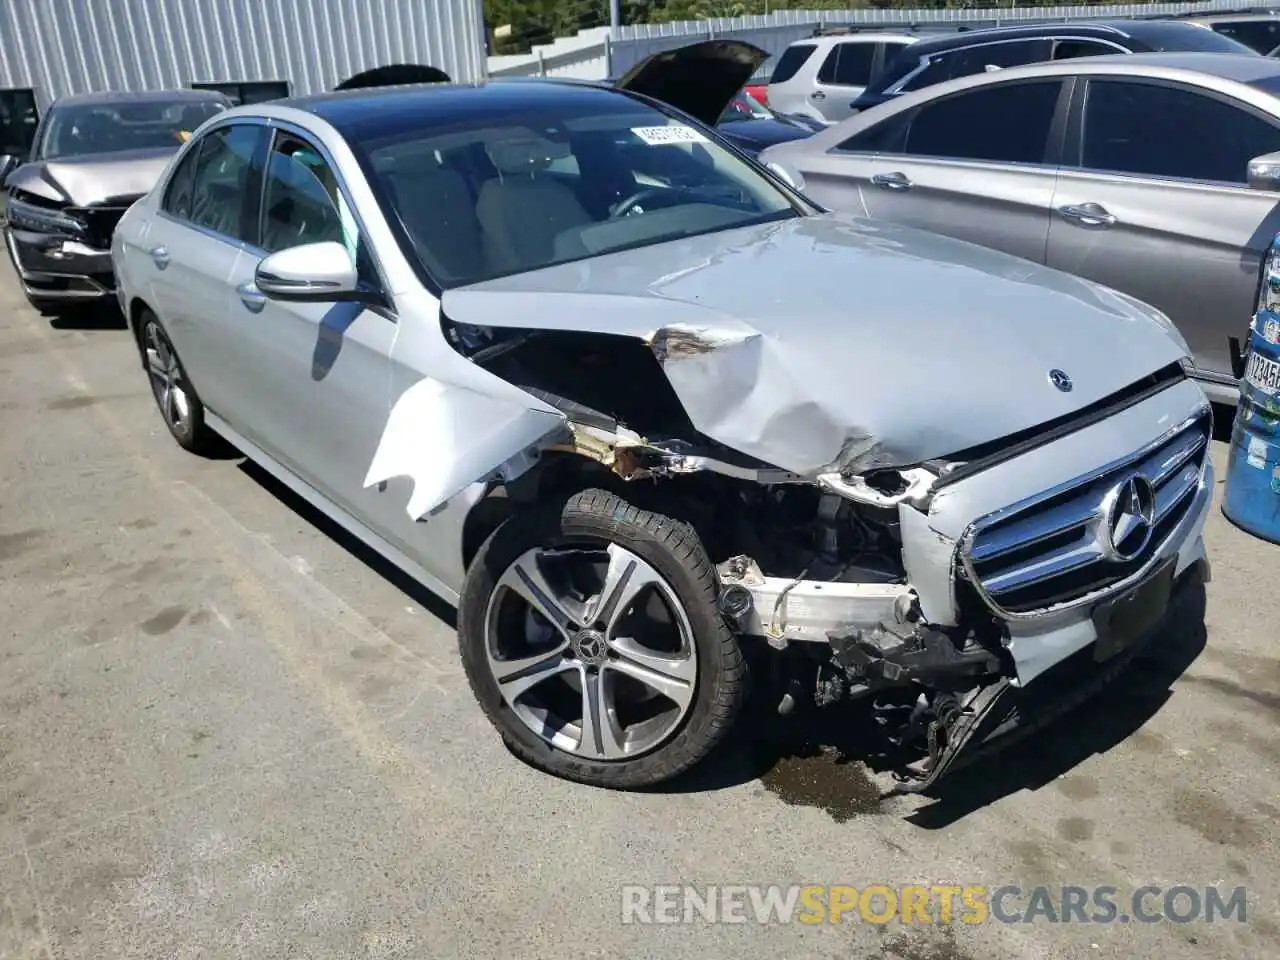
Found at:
[844, 29]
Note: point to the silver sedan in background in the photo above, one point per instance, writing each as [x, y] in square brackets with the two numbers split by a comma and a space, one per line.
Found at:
[1155, 174]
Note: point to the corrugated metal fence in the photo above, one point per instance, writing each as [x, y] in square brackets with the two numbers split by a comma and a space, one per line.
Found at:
[70, 46]
[599, 53]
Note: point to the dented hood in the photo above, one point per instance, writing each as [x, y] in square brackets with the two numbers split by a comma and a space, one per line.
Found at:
[99, 178]
[699, 79]
[827, 341]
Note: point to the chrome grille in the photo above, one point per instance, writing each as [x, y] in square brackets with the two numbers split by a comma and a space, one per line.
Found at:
[1065, 545]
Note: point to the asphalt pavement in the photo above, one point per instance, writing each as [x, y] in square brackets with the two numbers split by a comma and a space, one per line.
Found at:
[225, 731]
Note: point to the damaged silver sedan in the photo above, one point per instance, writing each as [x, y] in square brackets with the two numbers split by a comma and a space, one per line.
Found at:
[640, 410]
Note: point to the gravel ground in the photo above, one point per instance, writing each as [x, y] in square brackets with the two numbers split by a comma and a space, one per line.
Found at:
[227, 732]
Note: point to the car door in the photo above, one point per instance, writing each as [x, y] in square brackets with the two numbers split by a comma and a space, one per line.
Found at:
[191, 248]
[841, 77]
[978, 165]
[1155, 203]
[312, 379]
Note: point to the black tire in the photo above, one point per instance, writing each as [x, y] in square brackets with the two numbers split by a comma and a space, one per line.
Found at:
[191, 432]
[671, 548]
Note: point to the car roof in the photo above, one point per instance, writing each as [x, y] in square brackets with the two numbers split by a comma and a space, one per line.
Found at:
[1230, 73]
[103, 97]
[1119, 29]
[1225, 66]
[353, 112]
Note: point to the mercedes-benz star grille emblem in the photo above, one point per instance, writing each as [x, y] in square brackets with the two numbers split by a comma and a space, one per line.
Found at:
[1128, 518]
[1060, 380]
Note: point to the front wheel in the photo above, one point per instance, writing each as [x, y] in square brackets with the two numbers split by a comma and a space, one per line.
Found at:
[591, 637]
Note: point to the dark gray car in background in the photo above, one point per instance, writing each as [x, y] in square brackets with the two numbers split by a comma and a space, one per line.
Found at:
[94, 155]
[1155, 174]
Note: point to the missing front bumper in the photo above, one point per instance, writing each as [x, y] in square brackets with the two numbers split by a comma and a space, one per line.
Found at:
[1003, 713]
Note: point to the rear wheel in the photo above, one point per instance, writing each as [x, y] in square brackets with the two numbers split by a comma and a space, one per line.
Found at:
[179, 406]
[591, 637]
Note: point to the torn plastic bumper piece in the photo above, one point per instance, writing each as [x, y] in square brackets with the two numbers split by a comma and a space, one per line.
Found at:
[1003, 713]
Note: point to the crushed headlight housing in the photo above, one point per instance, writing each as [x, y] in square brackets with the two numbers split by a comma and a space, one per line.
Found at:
[37, 218]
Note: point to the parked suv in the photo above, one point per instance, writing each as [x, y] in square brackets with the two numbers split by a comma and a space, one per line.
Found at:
[946, 58]
[820, 77]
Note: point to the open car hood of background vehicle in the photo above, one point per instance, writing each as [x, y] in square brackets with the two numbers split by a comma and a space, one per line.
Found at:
[829, 342]
[394, 75]
[699, 79]
[100, 178]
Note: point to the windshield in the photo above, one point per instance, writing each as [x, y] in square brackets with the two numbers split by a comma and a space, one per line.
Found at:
[526, 193]
[80, 130]
[744, 106]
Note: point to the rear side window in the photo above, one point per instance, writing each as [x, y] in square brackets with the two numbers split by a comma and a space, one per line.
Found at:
[216, 175]
[1070, 49]
[848, 65]
[970, 60]
[792, 59]
[1141, 129]
[1002, 124]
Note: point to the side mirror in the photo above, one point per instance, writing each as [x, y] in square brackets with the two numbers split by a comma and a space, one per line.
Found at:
[1264, 172]
[311, 273]
[8, 163]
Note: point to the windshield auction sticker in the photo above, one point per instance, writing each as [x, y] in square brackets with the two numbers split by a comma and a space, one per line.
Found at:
[657, 136]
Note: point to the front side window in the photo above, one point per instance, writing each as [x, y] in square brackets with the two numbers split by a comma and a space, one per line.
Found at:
[848, 65]
[1142, 129]
[527, 192]
[792, 59]
[214, 177]
[300, 198]
[1261, 35]
[1008, 123]
[77, 130]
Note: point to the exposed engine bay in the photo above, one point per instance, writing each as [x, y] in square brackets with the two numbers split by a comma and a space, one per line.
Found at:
[813, 570]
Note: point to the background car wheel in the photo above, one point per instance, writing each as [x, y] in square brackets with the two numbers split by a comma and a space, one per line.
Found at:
[591, 637]
[179, 406]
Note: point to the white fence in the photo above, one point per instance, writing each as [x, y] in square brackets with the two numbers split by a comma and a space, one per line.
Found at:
[601, 52]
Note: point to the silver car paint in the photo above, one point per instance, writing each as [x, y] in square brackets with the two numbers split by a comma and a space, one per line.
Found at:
[398, 439]
[1193, 250]
[830, 371]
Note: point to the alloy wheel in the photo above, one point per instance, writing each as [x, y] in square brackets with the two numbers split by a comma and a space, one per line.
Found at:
[167, 382]
[592, 650]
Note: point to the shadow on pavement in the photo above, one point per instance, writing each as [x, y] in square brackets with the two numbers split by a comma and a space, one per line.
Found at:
[105, 315]
[374, 561]
[822, 760]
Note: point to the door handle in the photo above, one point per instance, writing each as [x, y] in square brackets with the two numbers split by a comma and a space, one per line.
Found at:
[892, 181]
[160, 257]
[252, 298]
[1087, 214]
[817, 95]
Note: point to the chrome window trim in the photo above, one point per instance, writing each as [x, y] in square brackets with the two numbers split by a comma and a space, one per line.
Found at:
[961, 558]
